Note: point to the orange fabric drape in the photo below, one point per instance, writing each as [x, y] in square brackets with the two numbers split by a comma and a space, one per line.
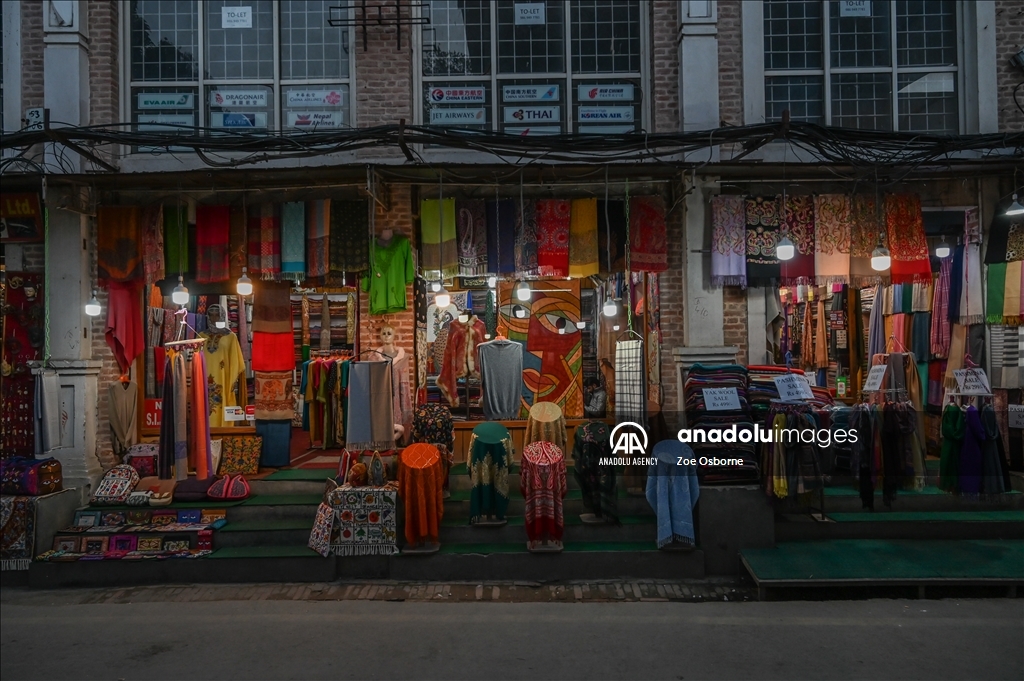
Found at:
[420, 484]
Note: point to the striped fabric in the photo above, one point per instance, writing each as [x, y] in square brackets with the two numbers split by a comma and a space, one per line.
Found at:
[1007, 349]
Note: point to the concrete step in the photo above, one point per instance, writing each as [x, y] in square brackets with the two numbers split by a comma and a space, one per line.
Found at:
[847, 500]
[633, 529]
[281, 487]
[263, 533]
[903, 525]
[265, 508]
[458, 508]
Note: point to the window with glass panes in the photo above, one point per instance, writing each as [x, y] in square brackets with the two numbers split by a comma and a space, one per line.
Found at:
[238, 65]
[533, 68]
[872, 64]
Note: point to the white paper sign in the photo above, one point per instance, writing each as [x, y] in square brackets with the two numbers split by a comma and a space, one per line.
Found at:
[532, 114]
[605, 93]
[239, 99]
[458, 116]
[1017, 415]
[855, 8]
[721, 399]
[972, 381]
[793, 387]
[236, 17]
[234, 413]
[529, 13]
[468, 95]
[166, 100]
[529, 93]
[875, 377]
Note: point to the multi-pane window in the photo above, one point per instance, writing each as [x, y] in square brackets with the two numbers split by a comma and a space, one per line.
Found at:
[872, 64]
[535, 67]
[237, 65]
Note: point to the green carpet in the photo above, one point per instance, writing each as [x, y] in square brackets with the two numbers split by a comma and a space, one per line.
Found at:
[514, 493]
[265, 552]
[573, 547]
[926, 516]
[460, 469]
[871, 559]
[315, 474]
[174, 505]
[267, 525]
[283, 500]
[853, 492]
[571, 519]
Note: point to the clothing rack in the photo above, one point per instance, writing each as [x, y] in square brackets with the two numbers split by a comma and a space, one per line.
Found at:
[800, 407]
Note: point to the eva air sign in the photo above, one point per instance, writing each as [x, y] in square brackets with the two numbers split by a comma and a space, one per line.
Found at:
[166, 100]
[628, 438]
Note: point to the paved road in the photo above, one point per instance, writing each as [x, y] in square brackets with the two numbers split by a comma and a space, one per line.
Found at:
[52, 635]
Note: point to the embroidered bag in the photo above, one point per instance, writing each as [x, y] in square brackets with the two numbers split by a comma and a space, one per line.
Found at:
[116, 485]
[142, 457]
[219, 489]
[238, 488]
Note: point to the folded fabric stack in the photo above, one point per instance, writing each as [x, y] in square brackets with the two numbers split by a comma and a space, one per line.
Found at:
[702, 423]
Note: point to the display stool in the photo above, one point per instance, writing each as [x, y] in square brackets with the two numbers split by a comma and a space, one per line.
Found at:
[420, 489]
[546, 424]
[489, 459]
[542, 482]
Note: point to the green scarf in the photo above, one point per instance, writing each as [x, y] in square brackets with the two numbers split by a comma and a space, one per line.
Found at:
[953, 426]
[996, 285]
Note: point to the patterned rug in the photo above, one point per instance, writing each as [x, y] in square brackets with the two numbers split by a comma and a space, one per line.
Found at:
[17, 536]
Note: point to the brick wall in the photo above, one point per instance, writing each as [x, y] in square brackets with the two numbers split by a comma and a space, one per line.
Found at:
[730, 63]
[384, 80]
[734, 320]
[31, 55]
[104, 84]
[1009, 39]
[109, 371]
[672, 308]
[664, 66]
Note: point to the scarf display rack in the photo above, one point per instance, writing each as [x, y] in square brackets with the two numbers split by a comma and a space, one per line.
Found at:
[185, 426]
[793, 469]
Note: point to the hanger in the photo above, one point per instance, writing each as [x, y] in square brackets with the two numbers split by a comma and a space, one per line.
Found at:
[125, 380]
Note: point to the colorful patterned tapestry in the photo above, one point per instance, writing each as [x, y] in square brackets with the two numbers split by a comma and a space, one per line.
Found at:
[365, 521]
[552, 344]
[17, 532]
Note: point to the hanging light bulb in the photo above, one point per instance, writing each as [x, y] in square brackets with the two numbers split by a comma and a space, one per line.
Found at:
[1015, 207]
[221, 325]
[942, 250]
[436, 286]
[244, 284]
[785, 249]
[463, 318]
[519, 312]
[442, 298]
[523, 292]
[179, 296]
[615, 328]
[487, 336]
[581, 325]
[492, 282]
[880, 260]
[610, 308]
[92, 308]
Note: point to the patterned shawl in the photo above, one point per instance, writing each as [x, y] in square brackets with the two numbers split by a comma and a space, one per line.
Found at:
[501, 236]
[996, 283]
[583, 239]
[864, 237]
[553, 216]
[728, 241]
[904, 226]
[272, 309]
[264, 241]
[273, 395]
[318, 230]
[213, 228]
[1006, 237]
[349, 243]
[152, 224]
[762, 224]
[940, 311]
[471, 231]
[648, 240]
[238, 247]
[956, 283]
[799, 226]
[437, 229]
[117, 244]
[611, 236]
[807, 339]
[971, 308]
[526, 238]
[1013, 303]
[833, 231]
[176, 239]
[293, 238]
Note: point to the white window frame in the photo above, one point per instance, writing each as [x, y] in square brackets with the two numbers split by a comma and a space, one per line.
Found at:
[568, 77]
[203, 84]
[976, 66]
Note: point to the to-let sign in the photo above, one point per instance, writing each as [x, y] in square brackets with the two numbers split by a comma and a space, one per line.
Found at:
[236, 17]
[793, 387]
[529, 14]
[721, 399]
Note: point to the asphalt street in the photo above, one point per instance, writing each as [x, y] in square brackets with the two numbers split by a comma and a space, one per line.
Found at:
[48, 635]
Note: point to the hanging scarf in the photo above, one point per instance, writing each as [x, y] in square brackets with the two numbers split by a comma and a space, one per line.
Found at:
[864, 238]
[293, 239]
[611, 238]
[213, 229]
[1005, 238]
[728, 241]
[501, 236]
[833, 231]
[921, 296]
[181, 416]
[124, 333]
[648, 241]
[971, 308]
[956, 285]
[318, 229]
[272, 308]
[940, 311]
[583, 239]
[349, 243]
[165, 455]
[907, 244]
[200, 456]
[799, 227]
[996, 283]
[821, 338]
[762, 224]
[553, 216]
[471, 231]
[264, 241]
[117, 243]
[176, 239]
[957, 350]
[526, 238]
[238, 247]
[1013, 304]
[807, 341]
[437, 228]
[151, 219]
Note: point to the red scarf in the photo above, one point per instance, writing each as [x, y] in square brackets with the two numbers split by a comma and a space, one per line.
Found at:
[553, 218]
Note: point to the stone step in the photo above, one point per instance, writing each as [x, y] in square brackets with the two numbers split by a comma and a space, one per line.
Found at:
[282, 487]
[293, 532]
[457, 507]
[269, 507]
[903, 525]
[632, 529]
[932, 499]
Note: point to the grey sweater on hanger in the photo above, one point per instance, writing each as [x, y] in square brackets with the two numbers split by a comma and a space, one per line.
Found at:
[501, 368]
